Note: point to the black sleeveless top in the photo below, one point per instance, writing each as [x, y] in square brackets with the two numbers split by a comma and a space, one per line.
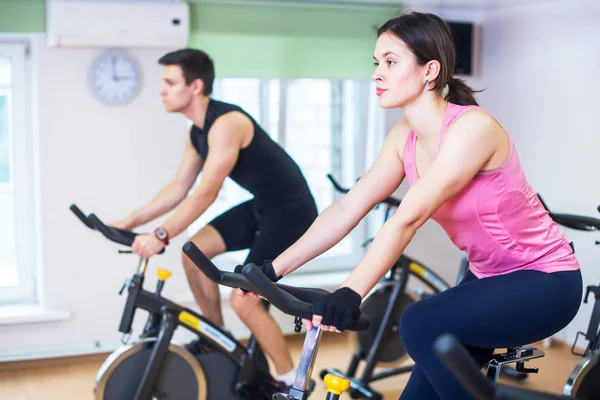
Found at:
[263, 167]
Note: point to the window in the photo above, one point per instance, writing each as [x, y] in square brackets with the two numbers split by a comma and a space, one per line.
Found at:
[318, 122]
[16, 238]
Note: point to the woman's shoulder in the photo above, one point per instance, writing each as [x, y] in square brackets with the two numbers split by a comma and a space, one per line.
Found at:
[474, 114]
[398, 136]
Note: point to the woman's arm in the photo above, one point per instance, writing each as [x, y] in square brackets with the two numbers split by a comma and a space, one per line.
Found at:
[468, 145]
[337, 220]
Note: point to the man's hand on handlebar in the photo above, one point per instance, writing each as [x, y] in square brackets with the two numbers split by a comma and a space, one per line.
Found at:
[266, 268]
[147, 245]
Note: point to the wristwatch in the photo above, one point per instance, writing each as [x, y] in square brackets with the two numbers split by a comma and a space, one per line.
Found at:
[162, 235]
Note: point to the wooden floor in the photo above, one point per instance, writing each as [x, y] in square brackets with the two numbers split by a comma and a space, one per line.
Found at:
[73, 378]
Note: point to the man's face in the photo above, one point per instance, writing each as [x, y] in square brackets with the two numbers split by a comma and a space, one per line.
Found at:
[175, 94]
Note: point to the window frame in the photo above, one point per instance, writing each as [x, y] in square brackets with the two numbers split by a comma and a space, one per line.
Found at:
[23, 158]
[359, 234]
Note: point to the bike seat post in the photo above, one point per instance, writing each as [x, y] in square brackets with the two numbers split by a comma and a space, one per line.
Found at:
[307, 360]
[142, 266]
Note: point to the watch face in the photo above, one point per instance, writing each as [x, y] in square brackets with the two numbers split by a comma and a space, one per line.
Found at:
[161, 234]
[115, 77]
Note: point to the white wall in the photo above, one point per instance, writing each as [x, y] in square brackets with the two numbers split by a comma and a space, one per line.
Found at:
[541, 66]
[107, 160]
[539, 69]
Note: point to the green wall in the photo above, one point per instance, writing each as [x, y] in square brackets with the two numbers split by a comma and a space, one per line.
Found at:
[22, 16]
[260, 39]
[287, 40]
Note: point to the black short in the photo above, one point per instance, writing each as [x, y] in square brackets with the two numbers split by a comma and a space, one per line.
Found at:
[266, 234]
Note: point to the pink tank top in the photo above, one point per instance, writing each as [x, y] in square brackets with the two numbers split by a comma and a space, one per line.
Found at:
[497, 219]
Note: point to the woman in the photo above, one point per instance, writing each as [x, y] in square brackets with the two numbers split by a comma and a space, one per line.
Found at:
[524, 282]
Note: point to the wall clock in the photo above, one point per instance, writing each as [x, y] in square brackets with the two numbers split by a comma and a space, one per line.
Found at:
[115, 77]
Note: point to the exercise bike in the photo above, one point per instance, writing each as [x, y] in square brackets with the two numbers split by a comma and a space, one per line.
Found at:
[155, 368]
[290, 300]
[407, 281]
[458, 360]
[584, 381]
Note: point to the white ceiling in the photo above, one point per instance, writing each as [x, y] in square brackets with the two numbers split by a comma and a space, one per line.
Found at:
[478, 4]
[466, 3]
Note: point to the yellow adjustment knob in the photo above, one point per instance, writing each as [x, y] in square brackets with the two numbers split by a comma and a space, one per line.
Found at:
[163, 274]
[336, 384]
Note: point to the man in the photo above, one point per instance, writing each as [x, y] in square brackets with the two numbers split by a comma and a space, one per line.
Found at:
[225, 141]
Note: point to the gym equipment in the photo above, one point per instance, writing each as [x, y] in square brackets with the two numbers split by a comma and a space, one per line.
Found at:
[154, 367]
[458, 360]
[380, 344]
[584, 381]
[290, 300]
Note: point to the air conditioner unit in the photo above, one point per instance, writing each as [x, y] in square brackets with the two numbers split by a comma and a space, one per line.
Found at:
[117, 23]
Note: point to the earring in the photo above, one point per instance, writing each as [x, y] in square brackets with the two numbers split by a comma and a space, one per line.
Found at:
[426, 83]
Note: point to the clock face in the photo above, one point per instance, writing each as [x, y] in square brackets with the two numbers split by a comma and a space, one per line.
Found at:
[115, 77]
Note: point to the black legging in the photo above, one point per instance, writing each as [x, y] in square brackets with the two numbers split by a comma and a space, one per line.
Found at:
[496, 312]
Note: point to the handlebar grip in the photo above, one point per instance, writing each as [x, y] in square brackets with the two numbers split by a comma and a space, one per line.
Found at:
[81, 216]
[294, 301]
[461, 364]
[111, 233]
[215, 274]
[202, 262]
[577, 222]
[286, 302]
[280, 299]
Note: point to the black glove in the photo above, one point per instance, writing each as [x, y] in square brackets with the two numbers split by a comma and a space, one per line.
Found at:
[340, 308]
[266, 268]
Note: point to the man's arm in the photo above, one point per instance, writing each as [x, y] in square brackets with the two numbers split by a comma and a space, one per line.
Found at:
[172, 194]
[225, 140]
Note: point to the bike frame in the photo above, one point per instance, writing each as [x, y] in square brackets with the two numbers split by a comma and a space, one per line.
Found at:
[164, 317]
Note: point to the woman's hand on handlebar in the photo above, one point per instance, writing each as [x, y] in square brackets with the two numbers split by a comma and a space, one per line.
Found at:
[147, 245]
[335, 311]
[266, 268]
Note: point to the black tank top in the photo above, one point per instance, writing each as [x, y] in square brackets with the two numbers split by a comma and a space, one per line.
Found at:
[263, 167]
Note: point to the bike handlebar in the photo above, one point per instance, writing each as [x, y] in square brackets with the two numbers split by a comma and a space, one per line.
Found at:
[389, 201]
[290, 300]
[464, 368]
[458, 361]
[578, 222]
[115, 235]
[81, 216]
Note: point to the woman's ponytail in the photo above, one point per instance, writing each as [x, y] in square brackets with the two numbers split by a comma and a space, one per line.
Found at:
[460, 93]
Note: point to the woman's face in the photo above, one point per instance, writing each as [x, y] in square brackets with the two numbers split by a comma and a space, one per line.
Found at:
[399, 78]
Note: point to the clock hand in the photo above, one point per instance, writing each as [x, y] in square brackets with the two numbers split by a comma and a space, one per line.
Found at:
[113, 69]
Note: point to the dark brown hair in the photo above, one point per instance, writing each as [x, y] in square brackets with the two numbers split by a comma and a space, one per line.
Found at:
[195, 64]
[429, 38]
